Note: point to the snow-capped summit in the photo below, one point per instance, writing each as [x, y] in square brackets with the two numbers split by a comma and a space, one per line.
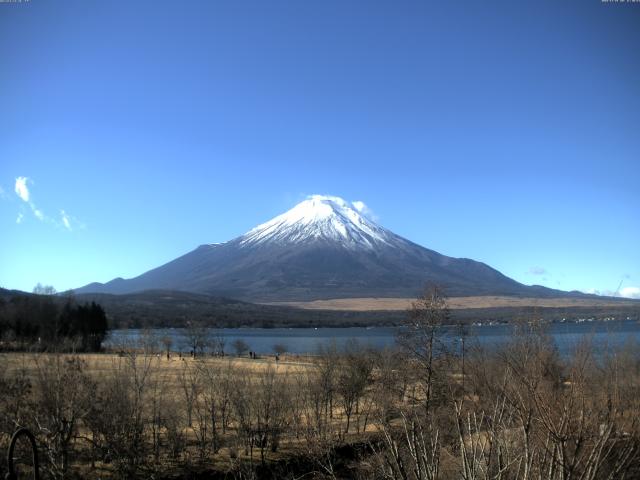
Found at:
[321, 218]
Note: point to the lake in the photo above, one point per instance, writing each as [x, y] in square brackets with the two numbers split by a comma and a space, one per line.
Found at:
[567, 336]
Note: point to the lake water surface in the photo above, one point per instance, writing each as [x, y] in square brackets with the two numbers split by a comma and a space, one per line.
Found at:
[307, 340]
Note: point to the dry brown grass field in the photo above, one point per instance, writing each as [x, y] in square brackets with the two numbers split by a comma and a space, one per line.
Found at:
[455, 303]
[103, 363]
[186, 386]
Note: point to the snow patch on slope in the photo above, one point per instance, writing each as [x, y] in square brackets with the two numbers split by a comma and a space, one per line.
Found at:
[321, 218]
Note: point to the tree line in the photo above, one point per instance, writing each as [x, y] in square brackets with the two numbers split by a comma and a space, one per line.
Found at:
[43, 321]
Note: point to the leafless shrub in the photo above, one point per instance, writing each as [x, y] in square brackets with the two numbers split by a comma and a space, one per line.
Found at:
[61, 401]
[353, 377]
[215, 380]
[119, 417]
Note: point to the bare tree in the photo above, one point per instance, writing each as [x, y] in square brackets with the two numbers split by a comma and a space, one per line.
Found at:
[119, 414]
[196, 337]
[412, 451]
[189, 382]
[62, 391]
[215, 398]
[167, 342]
[240, 346]
[354, 375]
[173, 423]
[204, 417]
[419, 337]
[40, 289]
[240, 397]
[148, 342]
[328, 363]
[218, 342]
[271, 401]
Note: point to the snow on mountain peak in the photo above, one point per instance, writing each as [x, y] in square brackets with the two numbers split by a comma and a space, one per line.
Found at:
[321, 218]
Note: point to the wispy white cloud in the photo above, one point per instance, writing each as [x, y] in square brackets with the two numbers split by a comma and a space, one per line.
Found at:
[70, 222]
[65, 220]
[630, 292]
[38, 213]
[362, 208]
[21, 188]
[626, 292]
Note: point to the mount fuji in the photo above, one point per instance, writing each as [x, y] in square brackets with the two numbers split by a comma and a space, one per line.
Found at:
[323, 248]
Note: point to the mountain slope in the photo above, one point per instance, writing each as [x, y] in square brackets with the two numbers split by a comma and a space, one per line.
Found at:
[322, 248]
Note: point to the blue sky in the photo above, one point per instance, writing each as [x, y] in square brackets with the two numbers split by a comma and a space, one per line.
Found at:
[507, 132]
